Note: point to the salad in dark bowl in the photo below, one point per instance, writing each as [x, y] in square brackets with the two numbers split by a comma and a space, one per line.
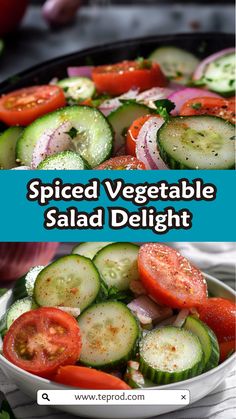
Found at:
[154, 103]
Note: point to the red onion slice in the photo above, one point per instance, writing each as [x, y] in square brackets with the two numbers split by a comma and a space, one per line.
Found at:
[40, 151]
[201, 67]
[60, 140]
[82, 71]
[147, 311]
[148, 97]
[183, 95]
[17, 258]
[181, 317]
[111, 105]
[51, 142]
[146, 144]
[137, 287]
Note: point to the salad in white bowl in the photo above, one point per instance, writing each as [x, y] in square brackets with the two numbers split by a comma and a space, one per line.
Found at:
[118, 316]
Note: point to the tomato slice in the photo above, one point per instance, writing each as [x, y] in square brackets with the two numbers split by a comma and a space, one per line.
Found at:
[23, 106]
[220, 315]
[122, 163]
[226, 348]
[41, 340]
[220, 107]
[116, 79]
[89, 378]
[169, 277]
[133, 132]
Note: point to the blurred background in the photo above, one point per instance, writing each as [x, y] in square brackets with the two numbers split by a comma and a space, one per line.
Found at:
[55, 27]
[215, 258]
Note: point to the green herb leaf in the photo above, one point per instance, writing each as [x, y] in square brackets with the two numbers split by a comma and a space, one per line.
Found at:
[73, 132]
[196, 105]
[114, 294]
[200, 82]
[103, 293]
[144, 63]
[164, 107]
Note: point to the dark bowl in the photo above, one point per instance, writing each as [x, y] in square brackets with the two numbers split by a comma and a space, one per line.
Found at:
[200, 44]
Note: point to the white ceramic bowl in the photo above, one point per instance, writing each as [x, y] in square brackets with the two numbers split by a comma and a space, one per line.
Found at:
[199, 386]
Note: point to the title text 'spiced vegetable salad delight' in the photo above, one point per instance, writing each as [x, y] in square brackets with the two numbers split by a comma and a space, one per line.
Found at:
[117, 316]
[167, 111]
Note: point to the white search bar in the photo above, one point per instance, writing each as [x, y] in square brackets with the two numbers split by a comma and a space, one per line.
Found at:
[113, 397]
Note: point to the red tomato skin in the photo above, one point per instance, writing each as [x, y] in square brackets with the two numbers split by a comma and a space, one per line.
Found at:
[117, 79]
[39, 318]
[167, 285]
[12, 11]
[132, 134]
[26, 116]
[223, 108]
[122, 163]
[220, 315]
[226, 348]
[88, 378]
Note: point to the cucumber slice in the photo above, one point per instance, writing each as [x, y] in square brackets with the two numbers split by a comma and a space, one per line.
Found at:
[89, 249]
[176, 63]
[109, 333]
[8, 140]
[66, 160]
[208, 341]
[92, 134]
[71, 281]
[117, 264]
[197, 142]
[30, 279]
[77, 88]
[24, 286]
[18, 308]
[170, 354]
[122, 118]
[220, 75]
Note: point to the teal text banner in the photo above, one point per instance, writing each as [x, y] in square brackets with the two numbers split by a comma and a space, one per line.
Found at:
[23, 219]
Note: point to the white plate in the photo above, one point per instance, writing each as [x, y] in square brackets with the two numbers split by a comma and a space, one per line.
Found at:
[199, 386]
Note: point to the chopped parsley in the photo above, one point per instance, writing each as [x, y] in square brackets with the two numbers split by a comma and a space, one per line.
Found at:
[164, 107]
[196, 105]
[72, 133]
[143, 63]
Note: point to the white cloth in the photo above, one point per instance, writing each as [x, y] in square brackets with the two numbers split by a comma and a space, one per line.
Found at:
[217, 259]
